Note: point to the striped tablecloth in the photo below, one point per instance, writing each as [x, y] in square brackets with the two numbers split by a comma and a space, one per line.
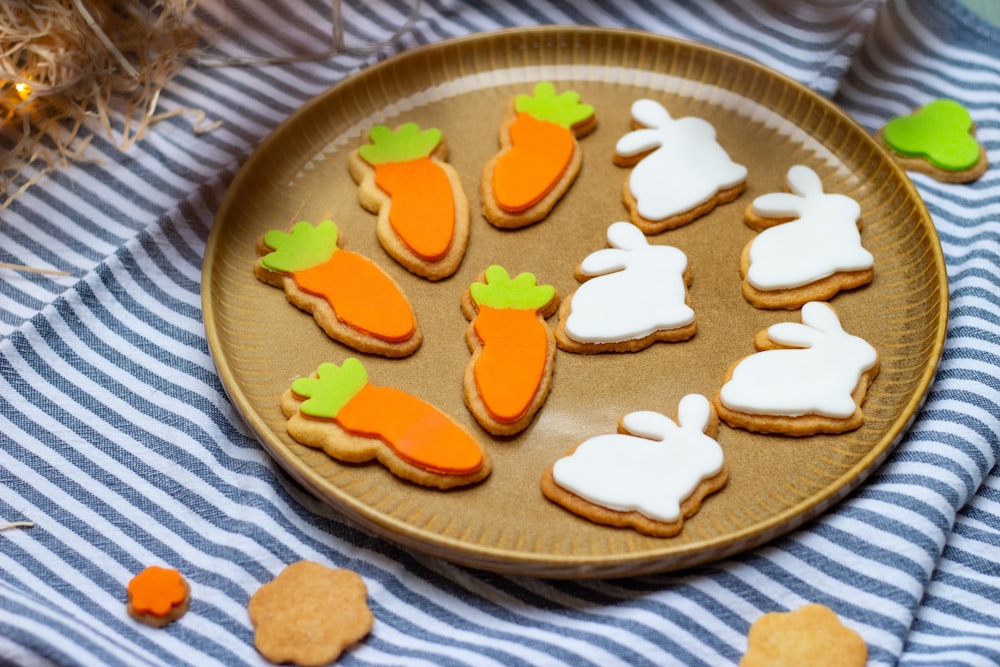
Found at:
[118, 441]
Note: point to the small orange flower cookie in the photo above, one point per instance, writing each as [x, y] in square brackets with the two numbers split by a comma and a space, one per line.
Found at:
[539, 156]
[423, 213]
[810, 635]
[513, 351]
[938, 139]
[338, 411]
[650, 476]
[309, 614]
[158, 596]
[349, 296]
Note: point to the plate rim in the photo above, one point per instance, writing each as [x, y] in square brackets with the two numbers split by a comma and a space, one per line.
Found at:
[504, 561]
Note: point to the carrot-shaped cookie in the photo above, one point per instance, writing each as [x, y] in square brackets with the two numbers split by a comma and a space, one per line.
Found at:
[423, 213]
[513, 351]
[339, 411]
[350, 297]
[539, 156]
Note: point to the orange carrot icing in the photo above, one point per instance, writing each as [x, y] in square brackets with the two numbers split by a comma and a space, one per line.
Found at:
[511, 367]
[361, 295]
[422, 212]
[418, 434]
[540, 153]
[156, 590]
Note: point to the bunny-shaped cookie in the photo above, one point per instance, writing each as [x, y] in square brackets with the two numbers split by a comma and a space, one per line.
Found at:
[681, 172]
[635, 294]
[650, 476]
[807, 378]
[810, 247]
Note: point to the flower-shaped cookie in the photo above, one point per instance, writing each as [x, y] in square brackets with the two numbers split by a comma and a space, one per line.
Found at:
[937, 139]
[158, 596]
[309, 613]
[810, 635]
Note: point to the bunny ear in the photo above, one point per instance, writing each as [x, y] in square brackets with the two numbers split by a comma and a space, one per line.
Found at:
[649, 113]
[639, 141]
[604, 261]
[821, 316]
[793, 334]
[648, 424]
[626, 236]
[804, 181]
[778, 205]
[693, 412]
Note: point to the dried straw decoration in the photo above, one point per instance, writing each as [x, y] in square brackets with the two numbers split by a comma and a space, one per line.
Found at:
[65, 61]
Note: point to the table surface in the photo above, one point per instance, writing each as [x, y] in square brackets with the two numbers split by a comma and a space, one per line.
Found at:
[118, 441]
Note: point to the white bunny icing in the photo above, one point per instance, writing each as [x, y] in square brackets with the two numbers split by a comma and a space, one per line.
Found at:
[816, 376]
[687, 168]
[650, 469]
[823, 239]
[637, 289]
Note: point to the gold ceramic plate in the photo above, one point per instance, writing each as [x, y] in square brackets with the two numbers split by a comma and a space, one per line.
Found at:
[764, 120]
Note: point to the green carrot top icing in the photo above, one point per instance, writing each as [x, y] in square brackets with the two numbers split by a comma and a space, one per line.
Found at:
[502, 291]
[331, 390]
[564, 109]
[304, 247]
[408, 142]
[940, 131]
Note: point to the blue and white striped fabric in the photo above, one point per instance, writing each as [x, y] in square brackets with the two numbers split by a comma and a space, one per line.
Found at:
[117, 439]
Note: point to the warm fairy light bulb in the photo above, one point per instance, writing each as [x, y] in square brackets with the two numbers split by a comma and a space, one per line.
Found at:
[23, 90]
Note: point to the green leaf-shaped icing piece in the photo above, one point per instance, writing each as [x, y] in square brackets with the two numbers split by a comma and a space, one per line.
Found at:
[331, 390]
[565, 109]
[502, 291]
[304, 247]
[408, 142]
[940, 131]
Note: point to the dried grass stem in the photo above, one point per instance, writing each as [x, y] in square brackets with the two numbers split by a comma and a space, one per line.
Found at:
[107, 59]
